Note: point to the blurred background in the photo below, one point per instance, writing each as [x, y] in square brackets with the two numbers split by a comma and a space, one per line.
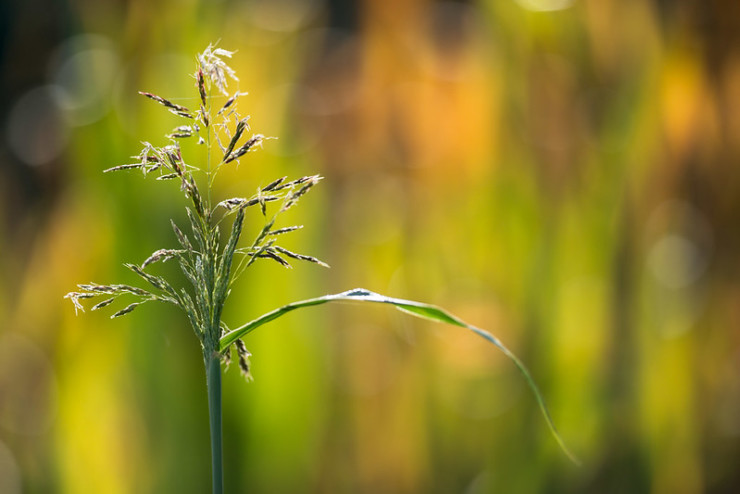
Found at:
[563, 173]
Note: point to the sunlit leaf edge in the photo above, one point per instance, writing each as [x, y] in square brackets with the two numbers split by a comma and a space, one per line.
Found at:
[414, 308]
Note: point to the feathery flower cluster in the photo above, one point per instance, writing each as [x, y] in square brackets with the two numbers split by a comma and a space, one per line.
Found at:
[209, 264]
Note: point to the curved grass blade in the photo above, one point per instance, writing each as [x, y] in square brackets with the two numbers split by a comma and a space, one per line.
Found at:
[418, 309]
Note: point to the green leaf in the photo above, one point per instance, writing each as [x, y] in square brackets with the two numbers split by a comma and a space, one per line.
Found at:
[418, 309]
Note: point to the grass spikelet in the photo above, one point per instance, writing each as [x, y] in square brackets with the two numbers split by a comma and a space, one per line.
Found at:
[287, 229]
[301, 257]
[130, 166]
[131, 289]
[104, 303]
[230, 102]
[244, 356]
[181, 237]
[215, 69]
[93, 287]
[272, 185]
[161, 255]
[226, 358]
[201, 83]
[293, 198]
[126, 310]
[155, 281]
[74, 297]
[271, 254]
[241, 126]
[181, 132]
[252, 142]
[174, 108]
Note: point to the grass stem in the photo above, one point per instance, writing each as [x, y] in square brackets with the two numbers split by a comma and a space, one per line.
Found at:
[213, 379]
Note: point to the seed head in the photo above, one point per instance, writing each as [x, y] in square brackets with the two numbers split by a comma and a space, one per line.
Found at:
[104, 303]
[273, 185]
[126, 310]
[181, 132]
[285, 230]
[174, 108]
[215, 68]
[161, 255]
[230, 102]
[244, 355]
[300, 257]
[240, 127]
[253, 141]
[201, 86]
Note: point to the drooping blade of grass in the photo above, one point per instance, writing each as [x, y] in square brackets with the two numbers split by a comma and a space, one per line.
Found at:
[418, 309]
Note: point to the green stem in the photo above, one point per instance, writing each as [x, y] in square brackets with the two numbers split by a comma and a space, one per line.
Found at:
[213, 379]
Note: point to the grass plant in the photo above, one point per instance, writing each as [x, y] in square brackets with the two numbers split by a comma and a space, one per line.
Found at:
[212, 262]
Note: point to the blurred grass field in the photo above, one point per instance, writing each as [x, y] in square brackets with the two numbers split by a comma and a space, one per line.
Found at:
[561, 172]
